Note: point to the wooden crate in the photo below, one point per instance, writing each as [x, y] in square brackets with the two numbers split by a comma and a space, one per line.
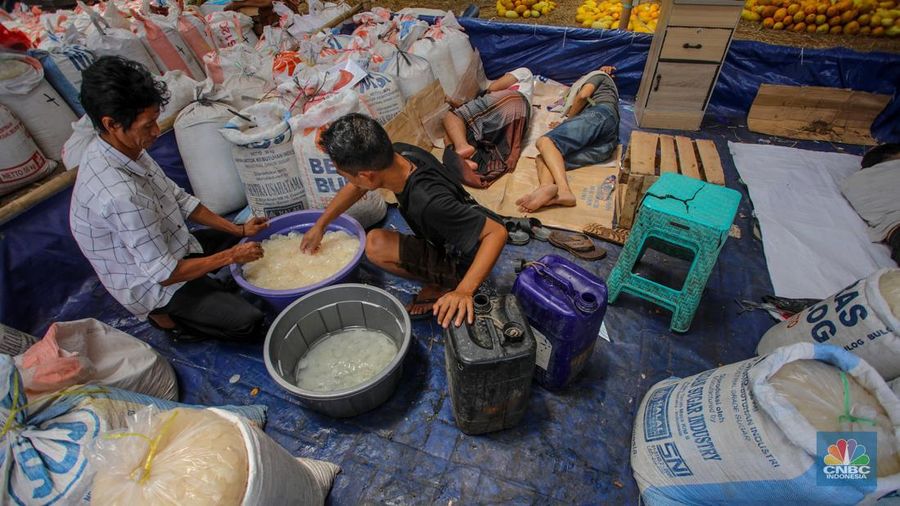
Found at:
[649, 155]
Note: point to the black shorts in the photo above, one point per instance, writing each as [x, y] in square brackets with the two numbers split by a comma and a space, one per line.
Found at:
[429, 263]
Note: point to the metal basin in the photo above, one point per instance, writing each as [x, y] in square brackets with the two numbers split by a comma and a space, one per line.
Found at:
[322, 313]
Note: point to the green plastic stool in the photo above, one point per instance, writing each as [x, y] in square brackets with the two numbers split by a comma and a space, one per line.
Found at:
[685, 217]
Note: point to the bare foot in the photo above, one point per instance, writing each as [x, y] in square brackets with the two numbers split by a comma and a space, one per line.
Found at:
[163, 320]
[563, 198]
[465, 151]
[425, 299]
[538, 198]
[471, 165]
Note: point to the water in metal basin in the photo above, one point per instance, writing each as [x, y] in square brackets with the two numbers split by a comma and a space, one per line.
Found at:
[344, 359]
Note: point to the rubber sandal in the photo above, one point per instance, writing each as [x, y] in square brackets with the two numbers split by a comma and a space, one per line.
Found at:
[579, 245]
[538, 231]
[178, 334]
[421, 316]
[613, 235]
[515, 235]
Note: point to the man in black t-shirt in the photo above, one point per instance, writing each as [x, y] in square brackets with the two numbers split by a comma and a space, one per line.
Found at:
[456, 241]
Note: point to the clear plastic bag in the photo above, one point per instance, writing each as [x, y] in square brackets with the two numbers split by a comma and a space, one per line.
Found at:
[177, 457]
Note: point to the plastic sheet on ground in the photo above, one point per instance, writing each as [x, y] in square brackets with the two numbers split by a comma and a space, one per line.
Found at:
[815, 242]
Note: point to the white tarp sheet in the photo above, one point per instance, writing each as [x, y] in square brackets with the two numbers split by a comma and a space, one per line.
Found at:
[815, 243]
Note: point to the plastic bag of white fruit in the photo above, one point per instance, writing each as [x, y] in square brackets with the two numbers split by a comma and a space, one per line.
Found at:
[202, 457]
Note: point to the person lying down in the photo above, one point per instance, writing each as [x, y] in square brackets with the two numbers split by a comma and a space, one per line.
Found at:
[587, 135]
[486, 134]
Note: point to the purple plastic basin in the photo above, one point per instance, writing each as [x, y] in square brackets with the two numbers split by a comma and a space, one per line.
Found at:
[301, 221]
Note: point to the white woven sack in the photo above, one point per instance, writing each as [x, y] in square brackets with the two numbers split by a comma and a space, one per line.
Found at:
[206, 154]
[38, 106]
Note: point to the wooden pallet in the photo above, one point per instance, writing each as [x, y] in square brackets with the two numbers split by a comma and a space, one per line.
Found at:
[649, 155]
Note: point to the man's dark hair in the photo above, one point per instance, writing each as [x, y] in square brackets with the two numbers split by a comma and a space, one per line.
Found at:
[356, 142]
[120, 89]
[880, 154]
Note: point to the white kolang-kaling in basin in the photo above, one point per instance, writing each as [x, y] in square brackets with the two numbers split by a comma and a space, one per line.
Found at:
[863, 318]
[285, 267]
[345, 359]
[265, 159]
[206, 154]
[753, 432]
[21, 161]
[38, 106]
[202, 457]
[319, 174]
[89, 351]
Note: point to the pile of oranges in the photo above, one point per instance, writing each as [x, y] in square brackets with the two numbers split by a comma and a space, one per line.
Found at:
[524, 8]
[875, 18]
[605, 14]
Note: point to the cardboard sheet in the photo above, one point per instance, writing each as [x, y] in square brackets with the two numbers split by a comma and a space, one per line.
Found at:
[815, 243]
[546, 108]
[594, 187]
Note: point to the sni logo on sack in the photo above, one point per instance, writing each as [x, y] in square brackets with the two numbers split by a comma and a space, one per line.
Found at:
[847, 459]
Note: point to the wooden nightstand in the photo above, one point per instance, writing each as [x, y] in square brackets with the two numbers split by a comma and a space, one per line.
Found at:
[689, 46]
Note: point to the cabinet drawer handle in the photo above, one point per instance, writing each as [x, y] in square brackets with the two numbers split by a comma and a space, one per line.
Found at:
[692, 46]
[658, 79]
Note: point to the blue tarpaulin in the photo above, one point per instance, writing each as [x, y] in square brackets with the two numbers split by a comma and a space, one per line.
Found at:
[572, 447]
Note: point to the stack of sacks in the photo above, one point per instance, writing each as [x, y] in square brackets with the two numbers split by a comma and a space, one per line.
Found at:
[243, 73]
[196, 33]
[230, 28]
[46, 439]
[21, 161]
[202, 457]
[25, 92]
[206, 154]
[448, 51]
[181, 91]
[261, 147]
[106, 40]
[161, 37]
[329, 93]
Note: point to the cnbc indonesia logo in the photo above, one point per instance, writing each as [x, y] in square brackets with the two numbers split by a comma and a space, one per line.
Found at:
[847, 460]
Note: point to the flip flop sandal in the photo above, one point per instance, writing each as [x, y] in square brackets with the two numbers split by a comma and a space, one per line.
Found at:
[178, 334]
[538, 230]
[421, 316]
[515, 235]
[579, 245]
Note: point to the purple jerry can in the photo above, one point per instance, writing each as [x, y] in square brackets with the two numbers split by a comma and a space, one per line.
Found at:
[564, 305]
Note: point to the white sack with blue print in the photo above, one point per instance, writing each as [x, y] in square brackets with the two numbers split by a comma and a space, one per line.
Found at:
[809, 422]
